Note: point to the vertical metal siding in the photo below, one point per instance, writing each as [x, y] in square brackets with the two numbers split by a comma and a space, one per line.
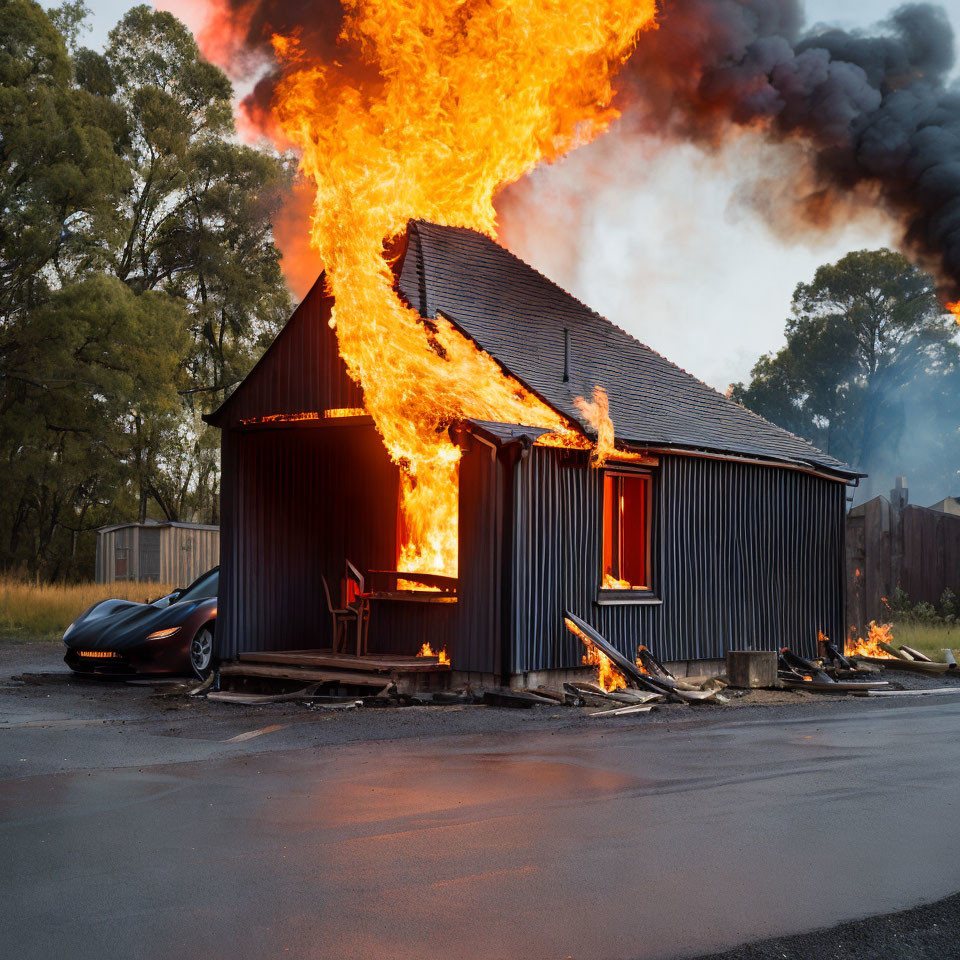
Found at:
[185, 551]
[300, 372]
[744, 557]
[477, 646]
[296, 501]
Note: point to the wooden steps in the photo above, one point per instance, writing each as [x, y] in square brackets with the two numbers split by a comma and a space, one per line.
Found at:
[323, 667]
[304, 673]
[381, 663]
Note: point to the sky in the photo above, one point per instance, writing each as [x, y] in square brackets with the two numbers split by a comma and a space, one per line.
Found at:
[662, 247]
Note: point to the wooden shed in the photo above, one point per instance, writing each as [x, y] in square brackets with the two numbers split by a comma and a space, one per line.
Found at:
[170, 553]
[727, 530]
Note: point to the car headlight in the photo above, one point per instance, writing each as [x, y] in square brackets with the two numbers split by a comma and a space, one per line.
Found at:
[161, 634]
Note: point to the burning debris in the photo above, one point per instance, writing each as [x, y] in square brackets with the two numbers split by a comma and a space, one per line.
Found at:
[879, 649]
[647, 673]
[798, 673]
[877, 645]
[441, 655]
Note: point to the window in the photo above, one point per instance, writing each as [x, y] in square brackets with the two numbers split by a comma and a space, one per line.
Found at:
[203, 588]
[626, 531]
[121, 555]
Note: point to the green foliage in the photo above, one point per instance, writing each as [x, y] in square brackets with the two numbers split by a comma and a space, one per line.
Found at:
[870, 372]
[138, 277]
[898, 603]
[944, 613]
[948, 605]
[70, 19]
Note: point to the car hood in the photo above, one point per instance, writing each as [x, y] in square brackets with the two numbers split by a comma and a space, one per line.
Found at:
[120, 624]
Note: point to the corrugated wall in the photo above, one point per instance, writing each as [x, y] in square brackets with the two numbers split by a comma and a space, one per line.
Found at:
[478, 639]
[184, 553]
[296, 501]
[745, 557]
[301, 371]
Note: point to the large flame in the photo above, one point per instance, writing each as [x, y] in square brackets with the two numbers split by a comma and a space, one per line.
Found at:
[431, 108]
[870, 647]
[954, 308]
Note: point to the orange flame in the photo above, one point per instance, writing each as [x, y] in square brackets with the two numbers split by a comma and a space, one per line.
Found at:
[610, 582]
[869, 647]
[282, 418]
[427, 651]
[597, 415]
[338, 412]
[608, 676]
[954, 308]
[430, 109]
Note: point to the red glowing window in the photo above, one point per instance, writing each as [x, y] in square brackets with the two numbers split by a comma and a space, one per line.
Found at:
[626, 531]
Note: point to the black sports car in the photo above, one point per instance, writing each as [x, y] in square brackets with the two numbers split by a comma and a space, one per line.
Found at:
[171, 635]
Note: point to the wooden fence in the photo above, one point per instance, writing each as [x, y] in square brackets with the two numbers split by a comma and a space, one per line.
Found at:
[915, 548]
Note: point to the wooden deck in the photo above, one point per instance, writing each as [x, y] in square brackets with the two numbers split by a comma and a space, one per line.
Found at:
[371, 663]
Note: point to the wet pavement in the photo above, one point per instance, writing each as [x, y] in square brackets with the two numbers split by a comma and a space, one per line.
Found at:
[127, 830]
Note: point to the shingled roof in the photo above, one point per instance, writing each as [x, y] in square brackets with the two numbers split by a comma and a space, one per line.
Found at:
[518, 316]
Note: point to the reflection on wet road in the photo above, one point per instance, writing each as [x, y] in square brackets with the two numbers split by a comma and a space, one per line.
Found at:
[655, 841]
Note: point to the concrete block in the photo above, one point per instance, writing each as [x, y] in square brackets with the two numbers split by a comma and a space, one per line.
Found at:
[750, 669]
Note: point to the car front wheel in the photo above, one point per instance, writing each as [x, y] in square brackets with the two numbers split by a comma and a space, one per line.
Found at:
[201, 652]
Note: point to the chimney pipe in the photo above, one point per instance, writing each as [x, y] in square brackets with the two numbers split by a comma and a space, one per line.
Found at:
[899, 494]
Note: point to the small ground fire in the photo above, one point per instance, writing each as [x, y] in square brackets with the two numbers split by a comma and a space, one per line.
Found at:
[870, 646]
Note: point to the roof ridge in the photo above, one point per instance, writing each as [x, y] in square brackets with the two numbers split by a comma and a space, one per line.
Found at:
[727, 400]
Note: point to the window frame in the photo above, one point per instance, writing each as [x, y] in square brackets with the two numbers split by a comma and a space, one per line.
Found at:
[606, 595]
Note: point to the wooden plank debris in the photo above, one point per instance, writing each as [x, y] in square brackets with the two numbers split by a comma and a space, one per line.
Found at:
[912, 666]
[347, 677]
[915, 654]
[383, 663]
[250, 734]
[912, 693]
[622, 711]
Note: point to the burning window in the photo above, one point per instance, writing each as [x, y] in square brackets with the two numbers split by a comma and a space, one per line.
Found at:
[626, 531]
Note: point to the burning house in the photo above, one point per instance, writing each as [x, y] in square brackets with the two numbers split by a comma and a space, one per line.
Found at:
[654, 508]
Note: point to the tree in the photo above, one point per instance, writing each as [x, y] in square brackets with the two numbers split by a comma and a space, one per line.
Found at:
[138, 276]
[86, 371]
[196, 220]
[870, 372]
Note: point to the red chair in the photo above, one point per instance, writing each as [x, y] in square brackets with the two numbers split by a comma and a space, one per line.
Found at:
[355, 599]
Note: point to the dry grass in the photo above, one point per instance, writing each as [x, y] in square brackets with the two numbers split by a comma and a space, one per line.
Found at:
[930, 639]
[31, 612]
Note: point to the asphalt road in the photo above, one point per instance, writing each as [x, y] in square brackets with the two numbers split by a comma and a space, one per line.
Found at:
[600, 840]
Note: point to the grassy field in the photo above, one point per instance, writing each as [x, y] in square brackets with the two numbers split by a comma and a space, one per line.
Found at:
[30, 612]
[927, 638]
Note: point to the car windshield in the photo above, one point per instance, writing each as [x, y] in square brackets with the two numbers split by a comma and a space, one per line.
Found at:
[204, 588]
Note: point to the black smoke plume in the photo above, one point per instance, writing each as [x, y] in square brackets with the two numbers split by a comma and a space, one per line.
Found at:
[875, 113]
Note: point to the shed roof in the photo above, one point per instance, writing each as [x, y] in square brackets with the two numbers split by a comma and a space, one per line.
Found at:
[150, 524]
[518, 316]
